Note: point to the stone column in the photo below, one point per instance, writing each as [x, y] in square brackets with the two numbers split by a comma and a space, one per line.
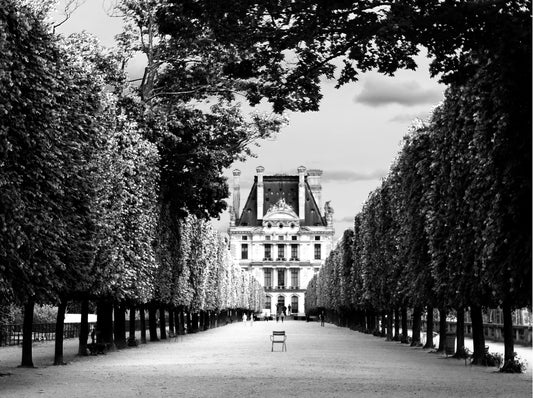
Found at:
[301, 192]
[260, 192]
[236, 193]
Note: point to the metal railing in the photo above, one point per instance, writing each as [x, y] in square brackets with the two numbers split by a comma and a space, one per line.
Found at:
[12, 334]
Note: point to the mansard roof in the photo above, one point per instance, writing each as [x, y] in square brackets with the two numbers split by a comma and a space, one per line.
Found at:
[275, 188]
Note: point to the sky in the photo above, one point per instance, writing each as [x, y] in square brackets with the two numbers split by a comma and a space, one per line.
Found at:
[353, 138]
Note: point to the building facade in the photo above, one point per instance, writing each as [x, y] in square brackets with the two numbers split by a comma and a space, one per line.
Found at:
[281, 235]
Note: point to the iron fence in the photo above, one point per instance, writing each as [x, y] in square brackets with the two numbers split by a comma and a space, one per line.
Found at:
[12, 334]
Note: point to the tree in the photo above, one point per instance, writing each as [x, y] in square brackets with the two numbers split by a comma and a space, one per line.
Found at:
[295, 43]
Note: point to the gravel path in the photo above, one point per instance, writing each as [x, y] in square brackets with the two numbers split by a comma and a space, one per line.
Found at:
[236, 361]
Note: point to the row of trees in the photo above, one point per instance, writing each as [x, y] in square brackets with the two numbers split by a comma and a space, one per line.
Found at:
[449, 227]
[101, 177]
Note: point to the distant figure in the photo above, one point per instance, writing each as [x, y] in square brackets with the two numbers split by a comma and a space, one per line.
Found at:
[284, 310]
[289, 309]
[244, 318]
[282, 316]
[252, 320]
[321, 316]
[277, 317]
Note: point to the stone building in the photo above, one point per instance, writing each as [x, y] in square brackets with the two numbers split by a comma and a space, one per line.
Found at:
[281, 235]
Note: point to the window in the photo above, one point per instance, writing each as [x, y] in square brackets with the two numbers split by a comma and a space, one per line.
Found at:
[280, 237]
[294, 304]
[294, 251]
[268, 303]
[317, 251]
[268, 277]
[281, 251]
[268, 251]
[295, 273]
[244, 251]
[244, 238]
[267, 237]
[294, 237]
[317, 237]
[281, 277]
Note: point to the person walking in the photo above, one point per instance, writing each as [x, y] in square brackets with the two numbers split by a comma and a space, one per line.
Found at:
[244, 318]
[322, 318]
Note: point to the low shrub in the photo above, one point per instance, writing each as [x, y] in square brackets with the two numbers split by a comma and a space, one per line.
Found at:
[514, 365]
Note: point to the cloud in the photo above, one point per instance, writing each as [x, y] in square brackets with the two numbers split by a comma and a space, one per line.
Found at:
[385, 91]
[409, 117]
[352, 176]
[349, 219]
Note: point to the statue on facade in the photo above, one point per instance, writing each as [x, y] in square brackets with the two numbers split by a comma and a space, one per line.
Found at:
[328, 212]
[231, 216]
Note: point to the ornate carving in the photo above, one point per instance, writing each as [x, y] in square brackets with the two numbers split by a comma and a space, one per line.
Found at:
[281, 205]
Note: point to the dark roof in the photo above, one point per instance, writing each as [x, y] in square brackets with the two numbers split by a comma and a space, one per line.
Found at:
[274, 189]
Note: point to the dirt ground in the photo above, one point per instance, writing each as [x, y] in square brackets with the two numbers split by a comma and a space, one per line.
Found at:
[236, 361]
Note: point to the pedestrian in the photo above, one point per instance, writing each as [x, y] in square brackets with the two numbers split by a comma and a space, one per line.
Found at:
[289, 309]
[277, 317]
[322, 318]
[244, 318]
[252, 320]
[282, 316]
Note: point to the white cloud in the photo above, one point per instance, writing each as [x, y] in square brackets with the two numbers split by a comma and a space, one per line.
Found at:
[380, 91]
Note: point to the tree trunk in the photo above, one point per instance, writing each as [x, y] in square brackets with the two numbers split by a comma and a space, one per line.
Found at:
[417, 315]
[195, 322]
[60, 329]
[171, 328]
[405, 336]
[429, 328]
[84, 328]
[27, 335]
[478, 335]
[460, 333]
[189, 322]
[442, 329]
[152, 322]
[132, 341]
[104, 323]
[383, 323]
[142, 320]
[119, 327]
[390, 315]
[162, 323]
[508, 337]
[182, 321]
[396, 324]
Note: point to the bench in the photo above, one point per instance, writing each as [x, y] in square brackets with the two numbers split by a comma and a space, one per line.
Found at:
[279, 337]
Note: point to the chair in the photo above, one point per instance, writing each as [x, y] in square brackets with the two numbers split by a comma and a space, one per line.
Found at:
[278, 336]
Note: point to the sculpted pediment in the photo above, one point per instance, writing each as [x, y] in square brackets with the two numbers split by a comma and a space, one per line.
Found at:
[280, 211]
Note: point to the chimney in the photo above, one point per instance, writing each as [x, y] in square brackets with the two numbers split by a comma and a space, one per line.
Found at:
[313, 179]
[260, 192]
[301, 192]
[236, 193]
